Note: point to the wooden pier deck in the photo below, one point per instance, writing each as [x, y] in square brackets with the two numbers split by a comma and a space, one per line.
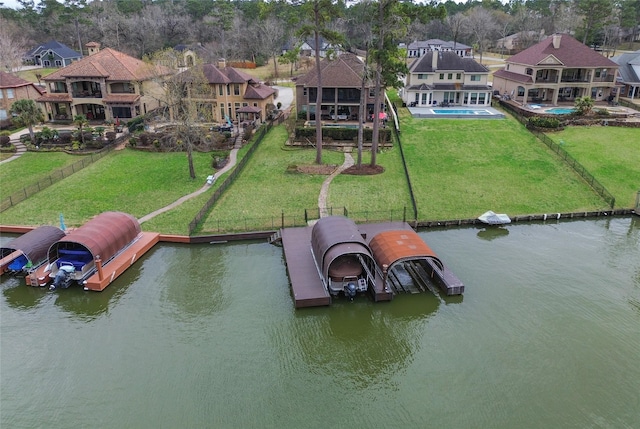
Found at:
[306, 285]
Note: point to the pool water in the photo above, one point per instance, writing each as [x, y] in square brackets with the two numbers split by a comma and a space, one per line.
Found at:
[560, 111]
[461, 112]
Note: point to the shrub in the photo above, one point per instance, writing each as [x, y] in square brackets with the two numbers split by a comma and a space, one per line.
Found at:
[133, 141]
[111, 135]
[4, 138]
[543, 122]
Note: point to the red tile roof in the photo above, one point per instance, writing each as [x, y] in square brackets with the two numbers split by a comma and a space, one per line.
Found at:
[121, 98]
[109, 64]
[55, 98]
[570, 53]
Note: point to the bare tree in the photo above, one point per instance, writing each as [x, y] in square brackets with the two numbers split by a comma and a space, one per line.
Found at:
[455, 24]
[11, 47]
[271, 31]
[482, 26]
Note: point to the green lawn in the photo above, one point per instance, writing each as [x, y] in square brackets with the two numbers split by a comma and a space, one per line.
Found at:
[461, 168]
[130, 181]
[31, 168]
[611, 154]
[265, 189]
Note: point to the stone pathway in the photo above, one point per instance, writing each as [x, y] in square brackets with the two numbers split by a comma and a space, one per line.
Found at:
[232, 162]
[324, 190]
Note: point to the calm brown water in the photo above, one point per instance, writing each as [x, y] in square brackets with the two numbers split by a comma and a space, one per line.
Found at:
[546, 336]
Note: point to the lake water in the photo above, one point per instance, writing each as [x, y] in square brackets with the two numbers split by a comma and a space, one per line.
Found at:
[547, 335]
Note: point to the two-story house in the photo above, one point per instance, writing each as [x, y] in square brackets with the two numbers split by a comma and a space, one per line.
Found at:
[234, 95]
[12, 89]
[107, 84]
[341, 88]
[559, 68]
[629, 74]
[52, 54]
[445, 78]
[417, 49]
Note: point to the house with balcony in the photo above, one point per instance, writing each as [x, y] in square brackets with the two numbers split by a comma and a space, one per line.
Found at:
[417, 49]
[444, 78]
[12, 89]
[559, 68]
[105, 85]
[341, 89]
[232, 94]
[52, 54]
[629, 74]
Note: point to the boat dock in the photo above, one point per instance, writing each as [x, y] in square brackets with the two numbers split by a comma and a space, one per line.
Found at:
[307, 287]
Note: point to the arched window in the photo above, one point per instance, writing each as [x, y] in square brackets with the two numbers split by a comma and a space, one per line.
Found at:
[521, 91]
[189, 61]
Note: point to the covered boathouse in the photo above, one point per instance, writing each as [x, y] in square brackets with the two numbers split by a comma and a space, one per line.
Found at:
[29, 250]
[335, 249]
[98, 251]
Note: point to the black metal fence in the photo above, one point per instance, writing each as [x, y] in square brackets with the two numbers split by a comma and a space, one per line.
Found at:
[54, 177]
[571, 161]
[395, 132]
[202, 214]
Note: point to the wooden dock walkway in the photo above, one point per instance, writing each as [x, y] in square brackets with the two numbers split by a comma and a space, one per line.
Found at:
[307, 287]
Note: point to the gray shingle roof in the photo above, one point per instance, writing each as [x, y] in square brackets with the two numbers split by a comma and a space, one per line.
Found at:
[447, 61]
[627, 62]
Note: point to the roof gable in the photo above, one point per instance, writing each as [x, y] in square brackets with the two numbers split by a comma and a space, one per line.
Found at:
[569, 52]
[550, 60]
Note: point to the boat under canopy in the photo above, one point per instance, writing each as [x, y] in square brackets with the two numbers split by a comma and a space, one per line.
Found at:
[29, 250]
[102, 237]
[342, 256]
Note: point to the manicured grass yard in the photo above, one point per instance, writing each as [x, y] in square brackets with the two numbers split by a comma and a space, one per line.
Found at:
[265, 188]
[461, 168]
[611, 154]
[30, 168]
[130, 181]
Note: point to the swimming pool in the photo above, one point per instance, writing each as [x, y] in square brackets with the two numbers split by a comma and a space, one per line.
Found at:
[461, 112]
[560, 111]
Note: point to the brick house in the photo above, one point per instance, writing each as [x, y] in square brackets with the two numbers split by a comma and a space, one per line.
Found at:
[341, 86]
[12, 89]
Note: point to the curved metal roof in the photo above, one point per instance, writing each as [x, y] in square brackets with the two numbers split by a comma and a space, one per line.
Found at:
[334, 236]
[34, 244]
[104, 235]
[393, 246]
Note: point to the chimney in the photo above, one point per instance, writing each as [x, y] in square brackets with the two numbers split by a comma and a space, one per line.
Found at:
[93, 48]
[222, 63]
[556, 41]
[434, 60]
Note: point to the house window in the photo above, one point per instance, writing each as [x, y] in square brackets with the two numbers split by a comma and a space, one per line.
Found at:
[221, 89]
[529, 71]
[221, 109]
[58, 63]
[481, 98]
[228, 91]
[474, 98]
[449, 96]
[46, 63]
[10, 93]
[441, 76]
[245, 104]
[458, 76]
[255, 104]
[3, 113]
[520, 91]
[236, 89]
[475, 78]
[424, 98]
[304, 92]
[422, 76]
[449, 76]
[507, 66]
[372, 92]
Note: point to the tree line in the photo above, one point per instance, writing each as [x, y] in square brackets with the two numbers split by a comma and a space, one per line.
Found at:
[259, 30]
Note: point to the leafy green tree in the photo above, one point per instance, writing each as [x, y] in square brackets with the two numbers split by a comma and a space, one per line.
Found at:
[27, 114]
[596, 13]
[583, 105]
[321, 13]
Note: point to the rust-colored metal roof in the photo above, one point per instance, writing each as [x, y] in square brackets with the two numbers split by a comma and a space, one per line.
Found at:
[104, 235]
[389, 247]
[34, 244]
[335, 236]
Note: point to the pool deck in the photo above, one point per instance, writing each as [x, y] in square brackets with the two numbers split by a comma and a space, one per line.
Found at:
[434, 112]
